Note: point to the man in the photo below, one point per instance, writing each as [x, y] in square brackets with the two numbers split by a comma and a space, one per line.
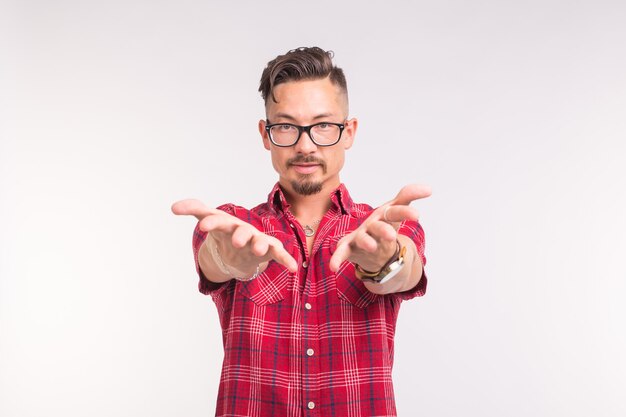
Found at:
[308, 285]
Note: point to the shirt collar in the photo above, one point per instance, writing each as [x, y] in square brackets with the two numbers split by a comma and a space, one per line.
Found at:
[340, 199]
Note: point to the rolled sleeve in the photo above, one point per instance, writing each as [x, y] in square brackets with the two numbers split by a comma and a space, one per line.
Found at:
[414, 231]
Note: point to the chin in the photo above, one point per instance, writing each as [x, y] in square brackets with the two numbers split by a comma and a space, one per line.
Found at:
[306, 187]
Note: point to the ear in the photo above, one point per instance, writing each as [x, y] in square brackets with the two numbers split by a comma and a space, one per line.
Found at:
[347, 137]
[263, 132]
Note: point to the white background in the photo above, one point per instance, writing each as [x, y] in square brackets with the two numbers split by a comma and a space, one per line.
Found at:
[513, 111]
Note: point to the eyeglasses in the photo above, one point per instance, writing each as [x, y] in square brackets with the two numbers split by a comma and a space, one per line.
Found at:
[322, 134]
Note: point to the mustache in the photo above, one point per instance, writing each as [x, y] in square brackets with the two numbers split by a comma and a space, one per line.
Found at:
[301, 159]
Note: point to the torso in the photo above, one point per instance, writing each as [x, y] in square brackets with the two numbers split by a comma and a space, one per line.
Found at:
[309, 244]
[320, 337]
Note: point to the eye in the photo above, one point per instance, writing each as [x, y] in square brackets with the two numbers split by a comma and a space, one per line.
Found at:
[284, 128]
[324, 126]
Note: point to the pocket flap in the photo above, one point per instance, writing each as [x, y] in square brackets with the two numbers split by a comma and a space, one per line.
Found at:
[352, 289]
[269, 287]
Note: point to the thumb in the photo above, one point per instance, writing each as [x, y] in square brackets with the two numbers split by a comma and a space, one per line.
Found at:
[192, 207]
[410, 193]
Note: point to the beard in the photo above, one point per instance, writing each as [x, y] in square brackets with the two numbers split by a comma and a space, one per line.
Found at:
[305, 187]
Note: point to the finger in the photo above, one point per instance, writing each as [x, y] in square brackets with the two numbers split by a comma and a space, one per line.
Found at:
[410, 193]
[395, 214]
[280, 255]
[192, 207]
[342, 252]
[382, 231]
[241, 236]
[220, 222]
[365, 242]
[260, 245]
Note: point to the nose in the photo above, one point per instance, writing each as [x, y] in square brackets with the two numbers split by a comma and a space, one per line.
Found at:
[305, 144]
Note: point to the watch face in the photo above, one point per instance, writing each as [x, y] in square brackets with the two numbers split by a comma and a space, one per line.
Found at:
[393, 270]
[387, 273]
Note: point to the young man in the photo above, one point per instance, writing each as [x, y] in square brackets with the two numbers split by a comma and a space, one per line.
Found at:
[308, 285]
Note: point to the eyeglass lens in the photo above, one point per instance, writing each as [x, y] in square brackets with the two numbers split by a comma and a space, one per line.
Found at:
[322, 134]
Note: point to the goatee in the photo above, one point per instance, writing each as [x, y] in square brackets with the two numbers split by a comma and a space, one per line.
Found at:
[306, 187]
[303, 186]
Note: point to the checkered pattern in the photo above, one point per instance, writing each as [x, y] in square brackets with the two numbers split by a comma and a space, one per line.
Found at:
[314, 343]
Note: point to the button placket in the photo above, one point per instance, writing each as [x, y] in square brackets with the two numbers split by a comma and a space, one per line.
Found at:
[310, 352]
[310, 330]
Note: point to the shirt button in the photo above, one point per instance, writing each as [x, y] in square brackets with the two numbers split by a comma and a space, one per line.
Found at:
[305, 264]
[292, 226]
[311, 405]
[310, 352]
[307, 306]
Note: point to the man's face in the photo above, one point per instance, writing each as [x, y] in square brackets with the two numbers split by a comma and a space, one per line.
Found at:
[306, 168]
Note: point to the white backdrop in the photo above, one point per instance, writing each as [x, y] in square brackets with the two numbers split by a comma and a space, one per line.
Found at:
[514, 112]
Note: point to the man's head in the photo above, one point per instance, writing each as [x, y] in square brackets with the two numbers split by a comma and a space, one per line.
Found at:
[303, 88]
[301, 64]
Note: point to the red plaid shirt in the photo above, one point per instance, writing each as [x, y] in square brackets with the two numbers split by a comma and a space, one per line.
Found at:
[314, 343]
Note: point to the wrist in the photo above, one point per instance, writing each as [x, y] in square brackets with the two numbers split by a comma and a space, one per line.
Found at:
[375, 262]
[387, 271]
[227, 269]
[208, 264]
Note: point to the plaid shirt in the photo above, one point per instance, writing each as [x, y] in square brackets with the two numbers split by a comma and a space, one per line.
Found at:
[314, 343]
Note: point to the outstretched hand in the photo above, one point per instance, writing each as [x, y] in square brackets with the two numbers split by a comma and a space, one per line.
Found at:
[240, 245]
[374, 241]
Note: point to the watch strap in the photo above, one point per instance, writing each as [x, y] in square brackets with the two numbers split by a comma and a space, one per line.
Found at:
[377, 276]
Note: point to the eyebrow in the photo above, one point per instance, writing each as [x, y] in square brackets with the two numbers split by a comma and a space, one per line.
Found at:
[293, 119]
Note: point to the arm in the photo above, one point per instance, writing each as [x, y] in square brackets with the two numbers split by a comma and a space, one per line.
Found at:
[232, 248]
[373, 243]
[408, 277]
[213, 266]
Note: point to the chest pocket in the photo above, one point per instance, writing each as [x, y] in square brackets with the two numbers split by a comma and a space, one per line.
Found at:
[352, 289]
[268, 288]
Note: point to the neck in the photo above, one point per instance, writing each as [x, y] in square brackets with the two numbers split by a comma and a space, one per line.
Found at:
[309, 208]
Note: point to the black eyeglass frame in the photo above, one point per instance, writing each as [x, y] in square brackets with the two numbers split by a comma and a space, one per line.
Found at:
[306, 129]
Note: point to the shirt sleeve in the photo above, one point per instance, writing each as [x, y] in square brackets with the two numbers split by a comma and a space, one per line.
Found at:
[413, 230]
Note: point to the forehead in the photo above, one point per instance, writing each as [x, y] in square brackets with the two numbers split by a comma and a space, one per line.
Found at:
[307, 98]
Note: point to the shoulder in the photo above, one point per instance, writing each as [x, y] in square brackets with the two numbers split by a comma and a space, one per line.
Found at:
[233, 209]
[248, 215]
[359, 210]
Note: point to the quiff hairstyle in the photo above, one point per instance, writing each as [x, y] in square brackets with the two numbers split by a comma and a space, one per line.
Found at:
[301, 64]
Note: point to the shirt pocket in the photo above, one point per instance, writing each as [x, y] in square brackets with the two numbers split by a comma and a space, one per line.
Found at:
[268, 288]
[352, 289]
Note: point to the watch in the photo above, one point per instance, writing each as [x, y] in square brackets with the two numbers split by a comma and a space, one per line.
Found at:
[388, 271]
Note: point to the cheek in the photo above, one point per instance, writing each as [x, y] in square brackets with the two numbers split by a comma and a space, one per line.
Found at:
[335, 162]
[278, 160]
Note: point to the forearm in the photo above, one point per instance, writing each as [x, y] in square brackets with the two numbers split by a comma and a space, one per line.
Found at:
[216, 270]
[208, 263]
[408, 277]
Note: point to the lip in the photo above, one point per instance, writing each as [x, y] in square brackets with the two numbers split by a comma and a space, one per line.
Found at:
[305, 168]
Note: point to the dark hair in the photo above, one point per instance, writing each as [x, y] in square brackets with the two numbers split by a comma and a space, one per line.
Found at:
[300, 64]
